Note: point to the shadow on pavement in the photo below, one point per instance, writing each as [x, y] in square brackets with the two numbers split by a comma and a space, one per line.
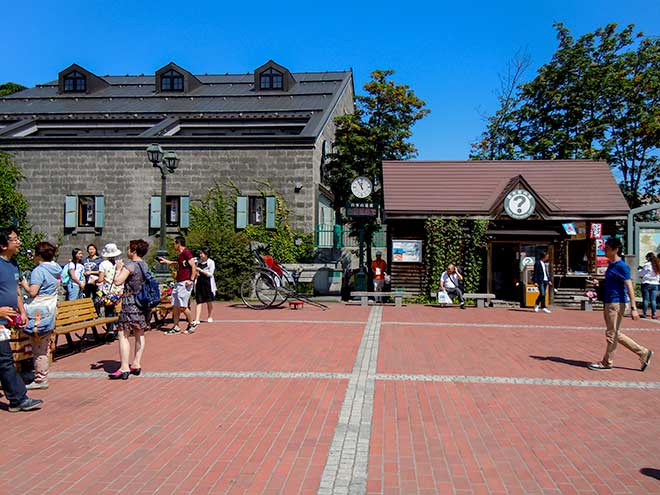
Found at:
[557, 359]
[574, 362]
[108, 365]
[651, 472]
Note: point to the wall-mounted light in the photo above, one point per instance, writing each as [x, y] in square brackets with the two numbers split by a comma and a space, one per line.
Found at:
[298, 187]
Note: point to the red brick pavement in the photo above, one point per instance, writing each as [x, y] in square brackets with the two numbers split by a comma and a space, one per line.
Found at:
[272, 435]
[442, 438]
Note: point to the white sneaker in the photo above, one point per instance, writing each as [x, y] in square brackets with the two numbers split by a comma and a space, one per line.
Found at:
[210, 320]
[546, 310]
[536, 309]
[195, 322]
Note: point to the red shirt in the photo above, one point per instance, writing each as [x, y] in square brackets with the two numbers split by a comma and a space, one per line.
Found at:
[378, 264]
[184, 271]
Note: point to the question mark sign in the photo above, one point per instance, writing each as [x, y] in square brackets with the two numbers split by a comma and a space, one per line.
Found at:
[521, 201]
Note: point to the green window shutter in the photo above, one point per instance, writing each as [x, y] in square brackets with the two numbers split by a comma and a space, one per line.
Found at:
[154, 212]
[241, 212]
[99, 212]
[271, 207]
[71, 212]
[184, 215]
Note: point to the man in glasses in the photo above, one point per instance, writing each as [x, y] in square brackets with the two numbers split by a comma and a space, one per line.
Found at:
[618, 290]
[12, 313]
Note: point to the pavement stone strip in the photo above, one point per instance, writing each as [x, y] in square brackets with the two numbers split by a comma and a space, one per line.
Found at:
[435, 401]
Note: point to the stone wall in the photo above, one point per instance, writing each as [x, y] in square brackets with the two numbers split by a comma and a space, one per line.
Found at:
[127, 180]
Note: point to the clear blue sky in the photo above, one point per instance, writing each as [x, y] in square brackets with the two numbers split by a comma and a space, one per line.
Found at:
[449, 53]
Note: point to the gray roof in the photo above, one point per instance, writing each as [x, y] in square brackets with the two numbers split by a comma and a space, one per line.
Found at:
[310, 100]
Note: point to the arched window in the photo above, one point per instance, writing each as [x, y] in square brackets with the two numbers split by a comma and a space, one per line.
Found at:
[75, 82]
[171, 81]
[271, 79]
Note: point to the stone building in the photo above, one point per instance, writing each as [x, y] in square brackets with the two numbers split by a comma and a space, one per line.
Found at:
[81, 142]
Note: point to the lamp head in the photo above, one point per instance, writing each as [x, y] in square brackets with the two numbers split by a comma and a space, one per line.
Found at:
[171, 161]
[154, 153]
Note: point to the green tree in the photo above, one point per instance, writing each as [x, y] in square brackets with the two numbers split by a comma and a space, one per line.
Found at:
[9, 88]
[14, 207]
[379, 129]
[597, 98]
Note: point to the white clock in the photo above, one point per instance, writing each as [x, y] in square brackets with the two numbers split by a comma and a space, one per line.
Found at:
[519, 204]
[361, 187]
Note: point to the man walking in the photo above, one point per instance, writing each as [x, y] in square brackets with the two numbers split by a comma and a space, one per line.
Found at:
[542, 279]
[449, 283]
[185, 280]
[618, 288]
[11, 308]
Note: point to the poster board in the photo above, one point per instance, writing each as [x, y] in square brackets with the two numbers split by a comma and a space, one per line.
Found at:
[648, 240]
[406, 251]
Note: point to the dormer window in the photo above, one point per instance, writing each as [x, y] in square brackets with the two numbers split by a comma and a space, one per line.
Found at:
[271, 79]
[75, 82]
[171, 81]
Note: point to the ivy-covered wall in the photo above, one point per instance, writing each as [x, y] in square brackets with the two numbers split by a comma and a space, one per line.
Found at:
[457, 241]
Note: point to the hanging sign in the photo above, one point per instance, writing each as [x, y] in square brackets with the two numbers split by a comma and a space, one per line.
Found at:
[569, 228]
[363, 210]
[596, 230]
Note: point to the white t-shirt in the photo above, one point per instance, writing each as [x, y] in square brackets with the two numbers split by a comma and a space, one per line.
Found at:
[449, 282]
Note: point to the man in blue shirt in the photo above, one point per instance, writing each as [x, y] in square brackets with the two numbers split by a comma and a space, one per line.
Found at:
[11, 308]
[617, 292]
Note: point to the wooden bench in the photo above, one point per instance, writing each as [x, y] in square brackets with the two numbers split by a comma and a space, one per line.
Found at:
[160, 312]
[76, 315]
[397, 295]
[480, 298]
[585, 303]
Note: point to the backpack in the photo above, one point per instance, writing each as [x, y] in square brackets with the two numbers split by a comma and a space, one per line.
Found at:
[148, 297]
[65, 275]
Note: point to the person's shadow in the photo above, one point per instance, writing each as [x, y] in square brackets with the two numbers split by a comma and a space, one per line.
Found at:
[108, 365]
[561, 360]
[651, 472]
[574, 362]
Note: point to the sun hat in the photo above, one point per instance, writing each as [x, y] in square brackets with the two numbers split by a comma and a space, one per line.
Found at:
[110, 251]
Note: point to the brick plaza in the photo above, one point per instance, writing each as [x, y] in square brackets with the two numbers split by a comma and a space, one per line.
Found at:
[377, 400]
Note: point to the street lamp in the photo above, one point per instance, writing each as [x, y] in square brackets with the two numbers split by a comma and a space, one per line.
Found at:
[167, 163]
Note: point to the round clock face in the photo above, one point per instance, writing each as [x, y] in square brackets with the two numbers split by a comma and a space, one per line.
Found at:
[519, 204]
[361, 187]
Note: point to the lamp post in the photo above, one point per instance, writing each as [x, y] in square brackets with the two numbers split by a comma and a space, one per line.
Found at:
[167, 162]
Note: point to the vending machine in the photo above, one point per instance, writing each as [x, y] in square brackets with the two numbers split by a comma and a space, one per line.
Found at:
[530, 290]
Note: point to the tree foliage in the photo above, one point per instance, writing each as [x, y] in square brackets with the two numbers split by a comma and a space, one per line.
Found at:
[14, 207]
[379, 129]
[212, 225]
[598, 98]
[9, 88]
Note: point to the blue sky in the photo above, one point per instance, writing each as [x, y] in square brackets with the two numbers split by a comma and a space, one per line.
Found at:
[449, 53]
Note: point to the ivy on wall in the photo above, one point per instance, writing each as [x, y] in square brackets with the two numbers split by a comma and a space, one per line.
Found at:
[457, 241]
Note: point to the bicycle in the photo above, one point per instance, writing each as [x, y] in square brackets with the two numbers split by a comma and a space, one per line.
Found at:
[269, 284]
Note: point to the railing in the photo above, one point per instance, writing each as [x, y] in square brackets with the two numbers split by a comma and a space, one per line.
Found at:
[332, 236]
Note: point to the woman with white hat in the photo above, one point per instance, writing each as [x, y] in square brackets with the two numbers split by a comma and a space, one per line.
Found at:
[106, 276]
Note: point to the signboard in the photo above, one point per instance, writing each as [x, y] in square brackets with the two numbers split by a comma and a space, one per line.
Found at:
[648, 242]
[519, 204]
[569, 228]
[596, 230]
[407, 251]
[362, 210]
